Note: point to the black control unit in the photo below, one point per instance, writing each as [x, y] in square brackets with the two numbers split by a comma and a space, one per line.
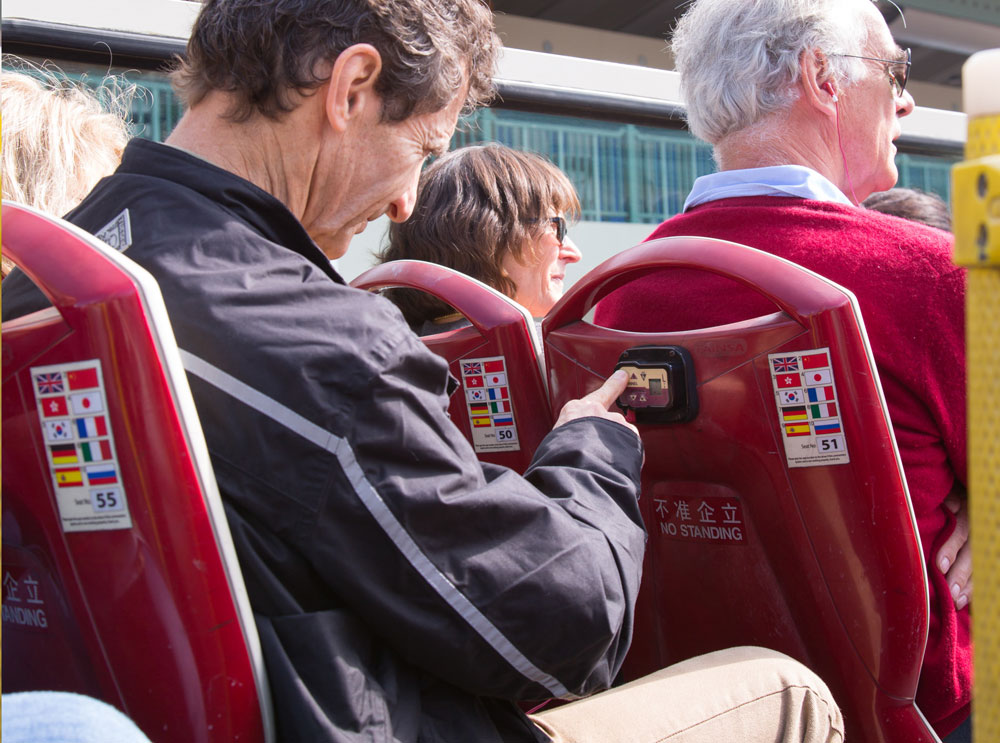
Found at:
[661, 384]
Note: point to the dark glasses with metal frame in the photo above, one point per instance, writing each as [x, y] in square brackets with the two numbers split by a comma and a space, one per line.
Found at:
[898, 69]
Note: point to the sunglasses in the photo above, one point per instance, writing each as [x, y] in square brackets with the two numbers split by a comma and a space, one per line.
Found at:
[561, 228]
[898, 69]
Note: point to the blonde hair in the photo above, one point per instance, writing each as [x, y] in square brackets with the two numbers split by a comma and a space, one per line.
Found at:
[58, 140]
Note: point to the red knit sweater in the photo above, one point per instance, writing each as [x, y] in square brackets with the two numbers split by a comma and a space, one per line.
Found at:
[912, 298]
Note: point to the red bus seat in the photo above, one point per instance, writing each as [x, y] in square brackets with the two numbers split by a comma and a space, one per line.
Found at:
[502, 404]
[779, 515]
[120, 577]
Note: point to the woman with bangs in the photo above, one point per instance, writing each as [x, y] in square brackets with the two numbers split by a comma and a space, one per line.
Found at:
[496, 214]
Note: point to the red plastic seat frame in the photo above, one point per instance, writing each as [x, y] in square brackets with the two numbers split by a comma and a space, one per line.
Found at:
[828, 568]
[152, 618]
[499, 327]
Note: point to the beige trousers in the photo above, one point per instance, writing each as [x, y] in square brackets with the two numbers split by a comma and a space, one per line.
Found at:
[741, 695]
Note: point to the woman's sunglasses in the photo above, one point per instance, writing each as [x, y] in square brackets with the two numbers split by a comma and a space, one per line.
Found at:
[560, 225]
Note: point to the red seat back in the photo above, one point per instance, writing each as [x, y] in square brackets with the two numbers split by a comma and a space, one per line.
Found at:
[501, 406]
[779, 515]
[120, 577]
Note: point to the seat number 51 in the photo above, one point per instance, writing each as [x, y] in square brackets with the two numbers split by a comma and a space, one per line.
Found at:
[831, 444]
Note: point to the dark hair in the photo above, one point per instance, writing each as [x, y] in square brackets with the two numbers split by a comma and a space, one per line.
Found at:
[912, 204]
[475, 206]
[267, 53]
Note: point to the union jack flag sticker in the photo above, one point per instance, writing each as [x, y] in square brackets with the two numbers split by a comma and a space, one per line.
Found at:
[49, 383]
[473, 367]
[785, 364]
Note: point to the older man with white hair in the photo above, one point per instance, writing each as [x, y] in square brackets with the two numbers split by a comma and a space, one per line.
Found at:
[802, 101]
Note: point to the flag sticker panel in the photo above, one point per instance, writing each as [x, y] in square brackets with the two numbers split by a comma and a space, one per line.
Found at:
[805, 396]
[80, 445]
[487, 400]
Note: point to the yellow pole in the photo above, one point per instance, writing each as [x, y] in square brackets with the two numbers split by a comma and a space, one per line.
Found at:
[976, 207]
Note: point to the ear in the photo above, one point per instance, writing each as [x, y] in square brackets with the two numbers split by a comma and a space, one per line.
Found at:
[817, 89]
[351, 89]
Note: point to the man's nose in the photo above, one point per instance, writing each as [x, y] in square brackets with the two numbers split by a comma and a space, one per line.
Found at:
[904, 104]
[402, 206]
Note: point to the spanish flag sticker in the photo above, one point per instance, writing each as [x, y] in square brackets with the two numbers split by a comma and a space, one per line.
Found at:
[796, 429]
[69, 477]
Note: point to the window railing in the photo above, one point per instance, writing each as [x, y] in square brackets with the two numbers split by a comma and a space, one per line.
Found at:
[622, 172]
[628, 173]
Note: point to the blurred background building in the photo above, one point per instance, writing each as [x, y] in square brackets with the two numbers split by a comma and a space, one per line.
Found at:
[586, 83]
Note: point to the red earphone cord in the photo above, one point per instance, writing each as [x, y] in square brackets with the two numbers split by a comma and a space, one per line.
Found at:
[843, 155]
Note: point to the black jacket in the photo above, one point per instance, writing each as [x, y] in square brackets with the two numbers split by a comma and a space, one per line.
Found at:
[403, 591]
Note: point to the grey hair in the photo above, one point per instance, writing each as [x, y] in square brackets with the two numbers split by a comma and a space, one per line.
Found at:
[739, 59]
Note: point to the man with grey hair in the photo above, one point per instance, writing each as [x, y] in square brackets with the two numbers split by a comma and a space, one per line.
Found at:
[402, 591]
[802, 101]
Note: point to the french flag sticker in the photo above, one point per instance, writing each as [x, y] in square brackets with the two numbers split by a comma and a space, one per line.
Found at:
[89, 427]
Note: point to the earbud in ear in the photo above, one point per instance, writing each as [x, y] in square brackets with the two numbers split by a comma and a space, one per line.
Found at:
[828, 87]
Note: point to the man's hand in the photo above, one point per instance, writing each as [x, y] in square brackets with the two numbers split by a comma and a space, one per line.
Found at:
[954, 559]
[597, 403]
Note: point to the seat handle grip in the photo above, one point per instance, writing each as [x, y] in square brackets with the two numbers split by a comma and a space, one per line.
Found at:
[797, 291]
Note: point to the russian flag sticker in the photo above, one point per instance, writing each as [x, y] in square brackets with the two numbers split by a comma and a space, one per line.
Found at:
[102, 475]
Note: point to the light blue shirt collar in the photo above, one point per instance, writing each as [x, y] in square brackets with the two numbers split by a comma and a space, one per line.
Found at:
[775, 180]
